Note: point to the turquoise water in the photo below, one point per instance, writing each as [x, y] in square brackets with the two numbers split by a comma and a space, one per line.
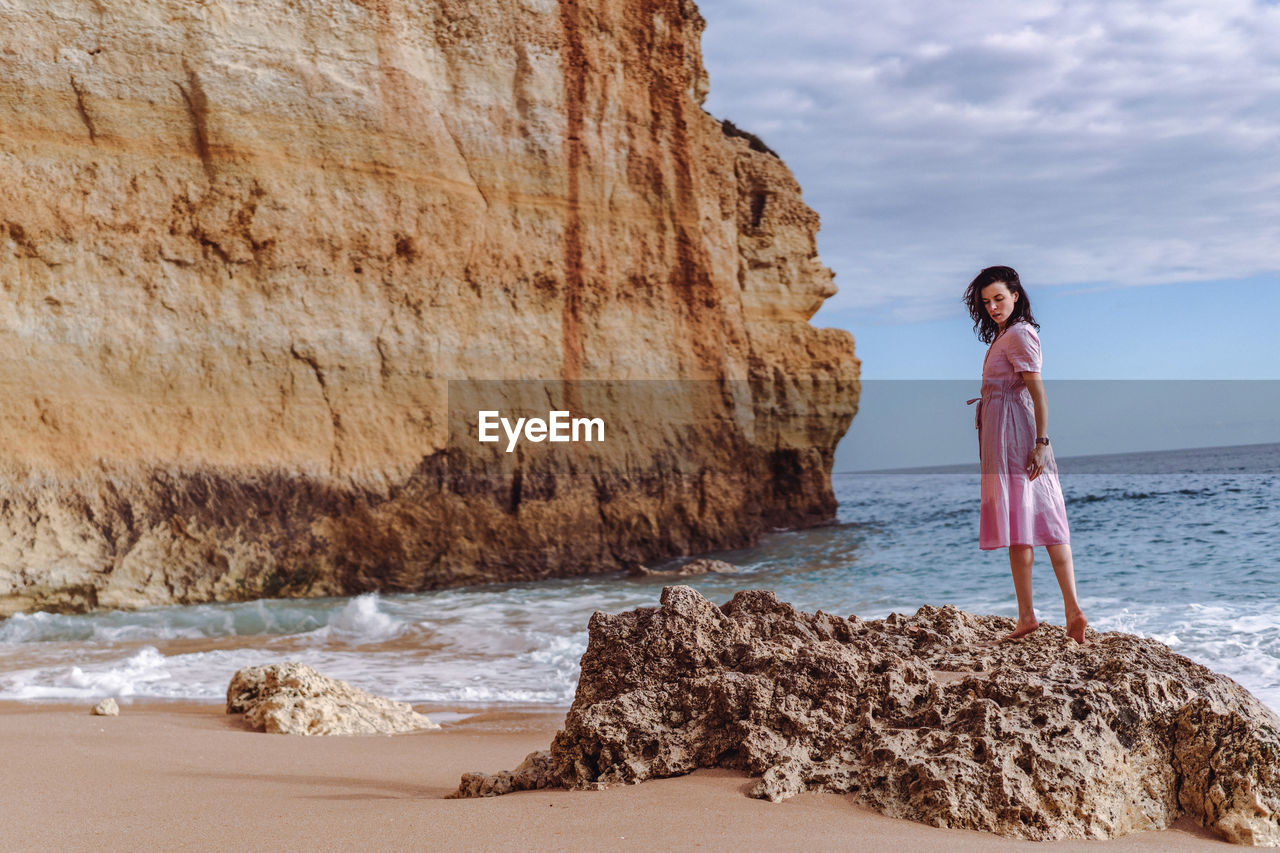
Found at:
[1178, 546]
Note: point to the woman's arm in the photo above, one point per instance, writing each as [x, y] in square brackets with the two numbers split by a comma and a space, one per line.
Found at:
[1035, 462]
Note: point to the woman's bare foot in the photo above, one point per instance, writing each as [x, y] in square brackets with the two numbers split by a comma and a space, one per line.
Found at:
[1076, 625]
[1021, 630]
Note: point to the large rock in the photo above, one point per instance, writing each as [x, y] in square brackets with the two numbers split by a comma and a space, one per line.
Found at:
[294, 699]
[922, 717]
[251, 249]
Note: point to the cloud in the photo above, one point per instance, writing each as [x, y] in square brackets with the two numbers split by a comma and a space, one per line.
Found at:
[1100, 142]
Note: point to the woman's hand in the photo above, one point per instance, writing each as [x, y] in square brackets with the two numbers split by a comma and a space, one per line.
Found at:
[1040, 403]
[1035, 462]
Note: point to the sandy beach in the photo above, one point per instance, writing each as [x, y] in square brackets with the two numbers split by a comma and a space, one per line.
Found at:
[189, 777]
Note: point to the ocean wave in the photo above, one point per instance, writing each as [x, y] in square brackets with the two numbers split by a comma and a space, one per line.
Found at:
[361, 621]
[1136, 496]
[128, 677]
[355, 620]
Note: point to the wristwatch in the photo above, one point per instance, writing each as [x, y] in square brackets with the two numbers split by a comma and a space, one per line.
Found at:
[1044, 439]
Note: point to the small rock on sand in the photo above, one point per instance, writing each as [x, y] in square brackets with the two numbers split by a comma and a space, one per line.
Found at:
[292, 698]
[106, 708]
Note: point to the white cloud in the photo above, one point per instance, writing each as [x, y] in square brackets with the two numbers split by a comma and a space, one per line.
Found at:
[1111, 142]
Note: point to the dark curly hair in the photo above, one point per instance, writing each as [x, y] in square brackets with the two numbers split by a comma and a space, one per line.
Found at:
[983, 325]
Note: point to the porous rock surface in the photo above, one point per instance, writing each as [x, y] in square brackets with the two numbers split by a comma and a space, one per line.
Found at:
[294, 699]
[252, 252]
[106, 708]
[921, 717]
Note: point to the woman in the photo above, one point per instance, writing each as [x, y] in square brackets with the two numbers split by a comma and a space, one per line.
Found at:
[1022, 503]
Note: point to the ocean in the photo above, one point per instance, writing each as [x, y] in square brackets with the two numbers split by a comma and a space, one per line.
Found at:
[1180, 546]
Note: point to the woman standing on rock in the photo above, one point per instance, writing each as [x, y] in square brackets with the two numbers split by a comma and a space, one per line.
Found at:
[1022, 504]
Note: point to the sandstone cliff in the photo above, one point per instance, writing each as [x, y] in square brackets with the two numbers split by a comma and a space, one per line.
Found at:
[250, 251]
[923, 717]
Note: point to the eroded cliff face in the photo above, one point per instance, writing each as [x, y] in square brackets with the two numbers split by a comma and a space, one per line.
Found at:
[250, 250]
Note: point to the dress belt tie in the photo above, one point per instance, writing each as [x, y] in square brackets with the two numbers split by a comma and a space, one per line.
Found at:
[986, 394]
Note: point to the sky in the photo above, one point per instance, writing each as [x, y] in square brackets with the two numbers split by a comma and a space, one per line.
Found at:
[1123, 156]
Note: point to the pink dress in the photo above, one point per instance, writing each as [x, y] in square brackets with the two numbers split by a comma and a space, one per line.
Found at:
[1015, 509]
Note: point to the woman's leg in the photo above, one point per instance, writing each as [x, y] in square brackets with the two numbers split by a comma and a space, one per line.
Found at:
[1021, 558]
[1064, 569]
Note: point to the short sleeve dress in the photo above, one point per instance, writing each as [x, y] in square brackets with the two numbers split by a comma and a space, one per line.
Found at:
[1015, 510]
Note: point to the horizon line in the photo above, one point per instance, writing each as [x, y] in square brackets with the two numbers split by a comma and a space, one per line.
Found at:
[965, 467]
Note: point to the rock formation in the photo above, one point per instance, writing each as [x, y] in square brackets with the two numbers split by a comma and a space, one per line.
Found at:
[106, 708]
[255, 255]
[294, 699]
[700, 566]
[922, 717]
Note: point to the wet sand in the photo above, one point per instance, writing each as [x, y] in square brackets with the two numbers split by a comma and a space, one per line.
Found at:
[188, 777]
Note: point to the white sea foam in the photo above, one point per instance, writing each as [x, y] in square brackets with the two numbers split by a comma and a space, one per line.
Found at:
[361, 621]
[491, 647]
[1241, 641]
[133, 676]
